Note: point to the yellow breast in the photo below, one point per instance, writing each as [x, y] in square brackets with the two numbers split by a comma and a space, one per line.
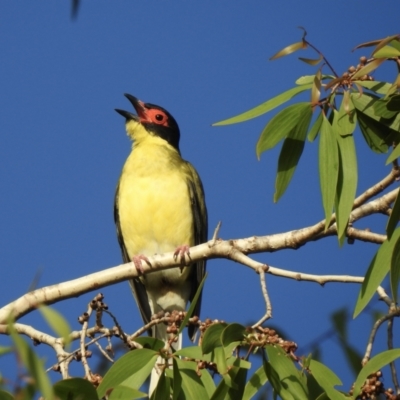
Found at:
[153, 201]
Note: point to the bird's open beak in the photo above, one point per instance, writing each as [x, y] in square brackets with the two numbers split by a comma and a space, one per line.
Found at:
[138, 106]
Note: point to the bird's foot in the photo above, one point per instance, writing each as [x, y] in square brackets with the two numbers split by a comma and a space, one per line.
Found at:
[137, 260]
[181, 252]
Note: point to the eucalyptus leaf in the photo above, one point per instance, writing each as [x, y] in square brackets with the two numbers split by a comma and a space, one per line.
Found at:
[327, 379]
[75, 389]
[192, 385]
[288, 382]
[122, 393]
[291, 151]
[373, 365]
[346, 184]
[368, 68]
[212, 337]
[306, 79]
[281, 125]
[347, 117]
[32, 363]
[289, 49]
[373, 132]
[394, 217]
[375, 86]
[387, 52]
[313, 132]
[395, 270]
[377, 270]
[328, 168]
[131, 370]
[255, 383]
[381, 109]
[57, 322]
[265, 107]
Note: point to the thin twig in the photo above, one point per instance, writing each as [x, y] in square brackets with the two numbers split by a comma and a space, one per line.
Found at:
[374, 330]
[82, 346]
[268, 306]
[324, 58]
[392, 364]
[379, 187]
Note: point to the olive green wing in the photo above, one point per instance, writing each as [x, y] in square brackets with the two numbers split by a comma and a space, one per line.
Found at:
[200, 228]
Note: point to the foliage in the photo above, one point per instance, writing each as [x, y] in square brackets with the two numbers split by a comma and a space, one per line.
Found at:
[221, 365]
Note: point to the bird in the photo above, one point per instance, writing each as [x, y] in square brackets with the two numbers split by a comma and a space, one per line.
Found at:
[160, 207]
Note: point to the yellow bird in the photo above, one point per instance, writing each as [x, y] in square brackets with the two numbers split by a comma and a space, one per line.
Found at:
[159, 207]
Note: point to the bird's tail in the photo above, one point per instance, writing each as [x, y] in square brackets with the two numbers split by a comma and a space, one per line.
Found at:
[160, 332]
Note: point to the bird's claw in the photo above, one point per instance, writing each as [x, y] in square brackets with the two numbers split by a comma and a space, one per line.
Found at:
[137, 261]
[181, 252]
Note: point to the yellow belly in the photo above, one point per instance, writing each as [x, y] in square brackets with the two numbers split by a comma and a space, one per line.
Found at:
[155, 211]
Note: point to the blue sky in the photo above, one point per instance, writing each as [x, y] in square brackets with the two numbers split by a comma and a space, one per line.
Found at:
[63, 145]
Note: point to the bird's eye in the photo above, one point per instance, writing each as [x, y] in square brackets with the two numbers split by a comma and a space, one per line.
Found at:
[157, 116]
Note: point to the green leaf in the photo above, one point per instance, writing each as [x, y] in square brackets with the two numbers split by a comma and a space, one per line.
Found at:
[387, 52]
[383, 43]
[220, 359]
[291, 151]
[377, 270]
[347, 117]
[328, 168]
[394, 155]
[238, 376]
[150, 343]
[132, 369]
[6, 395]
[212, 337]
[395, 270]
[192, 385]
[306, 79]
[311, 61]
[316, 88]
[32, 363]
[373, 132]
[162, 390]
[75, 389]
[177, 380]
[194, 352]
[233, 333]
[375, 86]
[312, 134]
[373, 365]
[381, 109]
[231, 337]
[193, 304]
[290, 49]
[280, 125]
[365, 104]
[346, 184]
[395, 44]
[288, 382]
[57, 322]
[327, 379]
[207, 382]
[265, 107]
[374, 64]
[394, 217]
[122, 392]
[393, 103]
[5, 350]
[255, 383]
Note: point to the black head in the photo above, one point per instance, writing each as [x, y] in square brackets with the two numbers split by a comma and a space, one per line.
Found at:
[155, 119]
